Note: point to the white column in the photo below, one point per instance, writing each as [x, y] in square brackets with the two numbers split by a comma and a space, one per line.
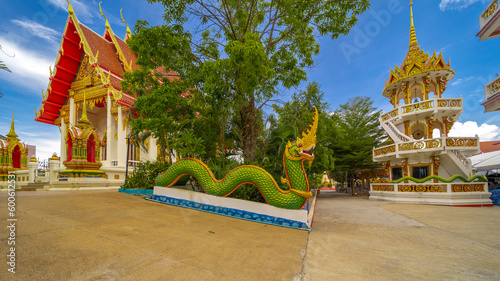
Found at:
[72, 112]
[110, 134]
[64, 132]
[122, 142]
[32, 168]
[53, 169]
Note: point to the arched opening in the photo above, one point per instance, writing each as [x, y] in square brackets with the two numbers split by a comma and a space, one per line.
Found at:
[436, 133]
[16, 157]
[91, 149]
[417, 94]
[432, 91]
[438, 130]
[418, 131]
[70, 148]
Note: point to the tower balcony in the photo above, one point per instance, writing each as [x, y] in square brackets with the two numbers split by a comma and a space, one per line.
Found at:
[435, 106]
[492, 96]
[489, 21]
[426, 146]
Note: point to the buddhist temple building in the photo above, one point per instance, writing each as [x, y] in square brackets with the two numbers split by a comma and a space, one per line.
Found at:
[424, 164]
[489, 27]
[13, 154]
[84, 99]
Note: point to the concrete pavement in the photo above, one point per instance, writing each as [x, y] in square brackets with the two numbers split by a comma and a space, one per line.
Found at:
[360, 239]
[105, 235]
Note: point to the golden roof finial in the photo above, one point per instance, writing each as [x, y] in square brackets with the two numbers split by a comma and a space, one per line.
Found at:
[84, 121]
[107, 23]
[413, 36]
[12, 133]
[129, 34]
[70, 8]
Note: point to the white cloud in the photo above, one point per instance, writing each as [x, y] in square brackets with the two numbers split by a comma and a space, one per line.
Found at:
[38, 30]
[457, 4]
[457, 82]
[485, 132]
[29, 69]
[45, 148]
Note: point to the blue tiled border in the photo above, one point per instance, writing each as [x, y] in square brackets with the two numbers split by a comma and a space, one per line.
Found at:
[136, 191]
[229, 212]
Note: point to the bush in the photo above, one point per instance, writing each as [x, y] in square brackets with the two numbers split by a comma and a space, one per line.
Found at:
[220, 166]
[145, 174]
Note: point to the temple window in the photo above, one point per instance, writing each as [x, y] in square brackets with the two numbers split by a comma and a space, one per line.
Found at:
[133, 153]
[420, 172]
[16, 157]
[397, 173]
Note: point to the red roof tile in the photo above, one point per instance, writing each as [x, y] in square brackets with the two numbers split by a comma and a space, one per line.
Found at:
[489, 146]
[107, 52]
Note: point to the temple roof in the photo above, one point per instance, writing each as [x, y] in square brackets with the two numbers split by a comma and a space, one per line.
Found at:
[109, 54]
[417, 61]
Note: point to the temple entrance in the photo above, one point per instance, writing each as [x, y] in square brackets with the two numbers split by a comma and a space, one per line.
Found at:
[16, 157]
[70, 148]
[91, 149]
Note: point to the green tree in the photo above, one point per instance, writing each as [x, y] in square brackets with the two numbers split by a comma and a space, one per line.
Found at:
[359, 131]
[295, 117]
[3, 67]
[240, 52]
[164, 110]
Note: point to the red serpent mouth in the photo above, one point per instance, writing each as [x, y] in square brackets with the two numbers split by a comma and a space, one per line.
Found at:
[309, 151]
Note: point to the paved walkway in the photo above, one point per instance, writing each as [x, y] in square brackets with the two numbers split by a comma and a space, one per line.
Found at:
[105, 235]
[360, 239]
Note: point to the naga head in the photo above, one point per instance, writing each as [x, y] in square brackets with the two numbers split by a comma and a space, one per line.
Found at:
[303, 148]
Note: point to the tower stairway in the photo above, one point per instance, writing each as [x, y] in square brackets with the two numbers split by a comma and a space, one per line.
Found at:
[394, 133]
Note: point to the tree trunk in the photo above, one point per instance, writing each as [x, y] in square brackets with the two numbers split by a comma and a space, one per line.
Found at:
[248, 115]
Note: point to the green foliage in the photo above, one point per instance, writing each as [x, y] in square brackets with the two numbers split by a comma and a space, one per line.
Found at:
[220, 166]
[144, 175]
[248, 49]
[3, 67]
[295, 117]
[359, 131]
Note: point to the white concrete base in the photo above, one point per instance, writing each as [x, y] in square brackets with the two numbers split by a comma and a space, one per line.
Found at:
[449, 199]
[232, 203]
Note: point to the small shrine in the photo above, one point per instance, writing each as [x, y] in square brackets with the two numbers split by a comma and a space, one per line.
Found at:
[424, 164]
[83, 150]
[13, 153]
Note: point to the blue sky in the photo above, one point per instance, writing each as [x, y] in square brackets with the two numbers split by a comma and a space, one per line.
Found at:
[353, 65]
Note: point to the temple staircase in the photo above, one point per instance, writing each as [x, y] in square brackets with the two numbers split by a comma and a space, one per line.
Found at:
[394, 133]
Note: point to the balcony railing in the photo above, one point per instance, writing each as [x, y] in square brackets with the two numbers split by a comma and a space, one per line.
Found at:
[488, 13]
[492, 88]
[417, 107]
[444, 143]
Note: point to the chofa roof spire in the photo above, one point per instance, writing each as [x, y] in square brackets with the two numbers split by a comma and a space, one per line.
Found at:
[413, 36]
[12, 133]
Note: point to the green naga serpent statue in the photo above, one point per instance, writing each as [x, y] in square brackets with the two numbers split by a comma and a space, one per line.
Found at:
[295, 197]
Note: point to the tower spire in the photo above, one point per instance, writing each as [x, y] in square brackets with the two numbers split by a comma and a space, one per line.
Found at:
[12, 133]
[413, 36]
[84, 121]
